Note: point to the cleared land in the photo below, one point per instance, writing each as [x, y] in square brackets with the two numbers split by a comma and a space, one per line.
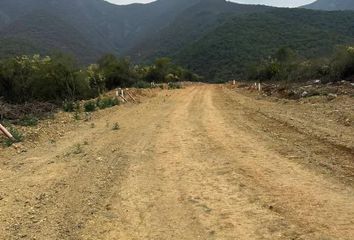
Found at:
[204, 162]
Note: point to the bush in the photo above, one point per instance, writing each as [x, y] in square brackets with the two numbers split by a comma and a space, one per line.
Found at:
[142, 84]
[287, 67]
[57, 78]
[174, 85]
[25, 78]
[342, 64]
[106, 102]
[68, 106]
[117, 72]
[115, 127]
[90, 106]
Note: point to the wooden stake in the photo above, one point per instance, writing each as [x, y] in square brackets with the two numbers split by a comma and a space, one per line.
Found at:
[124, 99]
[7, 133]
[131, 96]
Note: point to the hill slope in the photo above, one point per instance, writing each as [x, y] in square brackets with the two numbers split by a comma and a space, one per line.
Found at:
[331, 5]
[227, 51]
[28, 35]
[189, 26]
[215, 38]
[104, 27]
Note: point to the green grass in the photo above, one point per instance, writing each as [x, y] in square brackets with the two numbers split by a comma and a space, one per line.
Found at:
[28, 121]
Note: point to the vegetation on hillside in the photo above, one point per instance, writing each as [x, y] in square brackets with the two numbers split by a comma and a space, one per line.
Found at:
[85, 29]
[59, 77]
[190, 25]
[227, 52]
[215, 38]
[285, 65]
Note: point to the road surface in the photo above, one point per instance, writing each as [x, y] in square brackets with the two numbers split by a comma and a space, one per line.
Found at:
[204, 162]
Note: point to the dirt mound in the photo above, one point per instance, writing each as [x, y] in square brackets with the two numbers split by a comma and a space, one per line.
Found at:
[297, 91]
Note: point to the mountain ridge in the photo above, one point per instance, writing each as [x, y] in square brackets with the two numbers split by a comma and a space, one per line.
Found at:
[331, 5]
[208, 36]
[110, 27]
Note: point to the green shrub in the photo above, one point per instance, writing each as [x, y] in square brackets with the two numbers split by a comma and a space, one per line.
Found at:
[56, 78]
[115, 127]
[69, 106]
[77, 115]
[142, 84]
[78, 149]
[342, 65]
[90, 106]
[173, 85]
[106, 102]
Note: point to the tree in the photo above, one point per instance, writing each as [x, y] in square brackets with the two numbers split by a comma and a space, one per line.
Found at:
[342, 63]
[117, 72]
[96, 79]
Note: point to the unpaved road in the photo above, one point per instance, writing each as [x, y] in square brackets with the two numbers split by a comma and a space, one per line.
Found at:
[203, 162]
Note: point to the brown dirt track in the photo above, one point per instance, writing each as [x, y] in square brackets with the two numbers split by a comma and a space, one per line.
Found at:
[204, 162]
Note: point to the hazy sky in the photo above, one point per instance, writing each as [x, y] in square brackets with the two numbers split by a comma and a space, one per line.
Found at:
[279, 3]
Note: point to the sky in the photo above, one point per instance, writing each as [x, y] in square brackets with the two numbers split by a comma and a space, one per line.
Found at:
[278, 3]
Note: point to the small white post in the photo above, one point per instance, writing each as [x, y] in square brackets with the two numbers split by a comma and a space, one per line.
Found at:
[234, 82]
[259, 87]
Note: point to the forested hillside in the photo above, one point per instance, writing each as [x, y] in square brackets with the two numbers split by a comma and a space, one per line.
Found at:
[190, 25]
[68, 24]
[216, 38]
[228, 50]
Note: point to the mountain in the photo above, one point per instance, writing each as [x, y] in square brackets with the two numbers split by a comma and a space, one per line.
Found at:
[216, 38]
[101, 27]
[190, 25]
[95, 25]
[227, 51]
[331, 5]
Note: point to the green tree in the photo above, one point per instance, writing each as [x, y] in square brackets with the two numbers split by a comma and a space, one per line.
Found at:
[117, 72]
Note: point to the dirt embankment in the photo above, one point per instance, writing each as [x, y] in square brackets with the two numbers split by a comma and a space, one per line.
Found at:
[204, 162]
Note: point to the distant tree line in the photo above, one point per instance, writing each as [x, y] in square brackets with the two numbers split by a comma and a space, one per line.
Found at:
[58, 78]
[286, 65]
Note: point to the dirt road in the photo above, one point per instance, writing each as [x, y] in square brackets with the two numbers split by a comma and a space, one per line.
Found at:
[203, 162]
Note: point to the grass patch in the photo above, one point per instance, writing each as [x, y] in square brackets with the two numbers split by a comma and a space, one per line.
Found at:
[78, 149]
[28, 121]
